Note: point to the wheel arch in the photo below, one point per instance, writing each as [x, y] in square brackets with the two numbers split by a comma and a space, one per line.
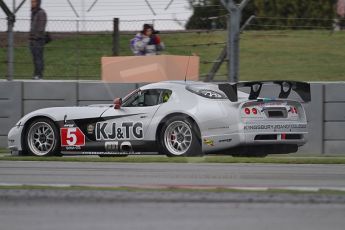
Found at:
[167, 117]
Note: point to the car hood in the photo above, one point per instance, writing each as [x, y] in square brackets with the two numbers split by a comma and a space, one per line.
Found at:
[72, 113]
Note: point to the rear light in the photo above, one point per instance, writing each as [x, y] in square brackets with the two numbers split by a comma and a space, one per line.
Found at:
[247, 111]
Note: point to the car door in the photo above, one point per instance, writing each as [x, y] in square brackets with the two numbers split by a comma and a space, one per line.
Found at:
[124, 129]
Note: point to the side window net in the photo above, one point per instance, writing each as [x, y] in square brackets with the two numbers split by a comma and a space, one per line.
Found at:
[149, 97]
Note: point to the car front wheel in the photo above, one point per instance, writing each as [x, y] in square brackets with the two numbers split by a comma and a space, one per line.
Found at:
[42, 138]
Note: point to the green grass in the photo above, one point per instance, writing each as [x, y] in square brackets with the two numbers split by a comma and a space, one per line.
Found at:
[206, 159]
[3, 151]
[293, 55]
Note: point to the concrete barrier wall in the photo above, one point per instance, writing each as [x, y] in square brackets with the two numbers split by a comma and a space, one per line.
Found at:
[314, 111]
[326, 111]
[102, 93]
[334, 118]
[37, 95]
[10, 108]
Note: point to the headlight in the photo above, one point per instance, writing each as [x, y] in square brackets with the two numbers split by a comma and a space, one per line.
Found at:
[208, 93]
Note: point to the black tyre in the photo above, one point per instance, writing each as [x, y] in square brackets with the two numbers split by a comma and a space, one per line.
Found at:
[179, 136]
[42, 138]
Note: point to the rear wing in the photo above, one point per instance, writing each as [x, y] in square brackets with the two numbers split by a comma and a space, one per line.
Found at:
[301, 88]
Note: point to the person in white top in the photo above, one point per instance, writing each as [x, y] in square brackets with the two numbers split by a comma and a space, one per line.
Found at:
[146, 42]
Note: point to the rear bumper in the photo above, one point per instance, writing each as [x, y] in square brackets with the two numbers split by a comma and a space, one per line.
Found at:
[275, 133]
[221, 142]
[258, 135]
[298, 138]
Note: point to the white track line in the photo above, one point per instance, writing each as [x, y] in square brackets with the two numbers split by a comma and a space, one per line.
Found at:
[194, 187]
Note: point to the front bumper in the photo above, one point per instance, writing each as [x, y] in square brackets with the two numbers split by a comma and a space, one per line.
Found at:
[14, 139]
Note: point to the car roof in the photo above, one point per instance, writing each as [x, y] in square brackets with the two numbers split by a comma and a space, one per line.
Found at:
[182, 85]
[176, 84]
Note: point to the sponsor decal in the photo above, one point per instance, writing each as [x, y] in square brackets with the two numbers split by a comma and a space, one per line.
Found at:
[72, 148]
[115, 146]
[72, 137]
[110, 153]
[225, 140]
[90, 128]
[68, 125]
[119, 131]
[275, 127]
[209, 142]
[271, 104]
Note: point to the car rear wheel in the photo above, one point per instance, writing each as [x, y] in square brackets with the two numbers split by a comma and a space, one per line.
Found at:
[42, 138]
[179, 137]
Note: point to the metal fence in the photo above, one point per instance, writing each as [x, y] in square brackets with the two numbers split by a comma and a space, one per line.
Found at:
[78, 46]
[270, 48]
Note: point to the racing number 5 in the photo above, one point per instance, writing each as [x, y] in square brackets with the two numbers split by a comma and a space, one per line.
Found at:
[72, 137]
[71, 134]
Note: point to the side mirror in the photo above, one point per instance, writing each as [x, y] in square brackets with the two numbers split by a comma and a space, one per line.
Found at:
[117, 103]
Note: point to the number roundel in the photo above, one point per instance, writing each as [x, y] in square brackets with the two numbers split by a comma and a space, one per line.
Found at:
[72, 137]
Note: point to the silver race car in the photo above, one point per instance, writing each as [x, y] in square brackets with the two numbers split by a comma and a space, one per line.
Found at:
[175, 118]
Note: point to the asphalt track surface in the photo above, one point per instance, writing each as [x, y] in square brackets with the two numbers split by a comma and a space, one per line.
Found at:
[75, 209]
[174, 174]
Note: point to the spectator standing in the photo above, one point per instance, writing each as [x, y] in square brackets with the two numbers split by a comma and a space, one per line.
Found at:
[146, 42]
[37, 37]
